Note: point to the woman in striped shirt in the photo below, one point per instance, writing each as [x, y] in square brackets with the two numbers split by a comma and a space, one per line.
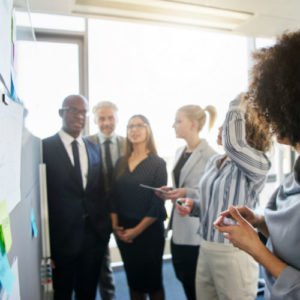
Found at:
[236, 178]
[275, 89]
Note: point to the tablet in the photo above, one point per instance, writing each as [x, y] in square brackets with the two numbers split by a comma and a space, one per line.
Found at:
[153, 188]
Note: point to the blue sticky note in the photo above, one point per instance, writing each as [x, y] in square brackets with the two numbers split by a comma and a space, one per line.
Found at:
[7, 277]
[33, 224]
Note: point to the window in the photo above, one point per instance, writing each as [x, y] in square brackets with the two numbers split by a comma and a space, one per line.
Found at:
[49, 68]
[47, 72]
[153, 70]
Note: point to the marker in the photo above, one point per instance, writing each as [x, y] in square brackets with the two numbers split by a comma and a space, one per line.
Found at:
[180, 203]
[228, 221]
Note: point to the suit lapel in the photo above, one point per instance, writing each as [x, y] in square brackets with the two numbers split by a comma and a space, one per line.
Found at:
[191, 162]
[189, 165]
[177, 157]
[62, 152]
[66, 161]
[121, 146]
[94, 162]
[89, 156]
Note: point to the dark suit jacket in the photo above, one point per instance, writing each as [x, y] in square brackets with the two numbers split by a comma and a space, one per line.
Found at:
[121, 145]
[69, 203]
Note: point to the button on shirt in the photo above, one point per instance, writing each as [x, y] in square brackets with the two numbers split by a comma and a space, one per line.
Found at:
[67, 140]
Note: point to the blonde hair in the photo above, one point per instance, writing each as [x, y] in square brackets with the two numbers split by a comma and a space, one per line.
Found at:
[195, 112]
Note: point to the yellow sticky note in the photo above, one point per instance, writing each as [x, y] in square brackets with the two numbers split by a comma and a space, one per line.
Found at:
[5, 226]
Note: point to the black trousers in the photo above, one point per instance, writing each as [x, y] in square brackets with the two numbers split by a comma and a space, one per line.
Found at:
[81, 273]
[143, 257]
[184, 260]
[106, 282]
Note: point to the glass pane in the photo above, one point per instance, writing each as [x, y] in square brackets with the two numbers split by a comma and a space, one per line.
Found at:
[153, 70]
[51, 21]
[46, 72]
[264, 42]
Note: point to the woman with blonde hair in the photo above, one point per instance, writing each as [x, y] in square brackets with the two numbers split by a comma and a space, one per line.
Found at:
[137, 214]
[190, 161]
[236, 177]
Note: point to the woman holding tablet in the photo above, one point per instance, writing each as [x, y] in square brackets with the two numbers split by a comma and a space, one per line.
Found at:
[190, 161]
[137, 213]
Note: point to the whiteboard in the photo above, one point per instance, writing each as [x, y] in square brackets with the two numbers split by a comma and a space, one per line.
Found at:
[11, 125]
[5, 41]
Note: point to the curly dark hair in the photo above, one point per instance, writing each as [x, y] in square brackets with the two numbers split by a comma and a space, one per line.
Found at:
[275, 86]
[258, 132]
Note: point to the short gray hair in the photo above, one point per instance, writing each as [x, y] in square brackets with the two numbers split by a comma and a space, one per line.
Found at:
[101, 104]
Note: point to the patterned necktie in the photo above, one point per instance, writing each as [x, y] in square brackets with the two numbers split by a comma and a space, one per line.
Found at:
[77, 169]
[108, 161]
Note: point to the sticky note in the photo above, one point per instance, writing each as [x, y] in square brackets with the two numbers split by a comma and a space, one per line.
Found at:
[33, 224]
[7, 277]
[5, 226]
[2, 244]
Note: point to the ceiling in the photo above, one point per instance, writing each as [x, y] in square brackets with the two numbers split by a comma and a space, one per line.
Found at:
[263, 18]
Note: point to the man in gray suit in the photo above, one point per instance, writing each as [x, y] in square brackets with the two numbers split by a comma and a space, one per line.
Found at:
[112, 146]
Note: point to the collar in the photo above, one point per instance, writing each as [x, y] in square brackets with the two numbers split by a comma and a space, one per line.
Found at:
[102, 138]
[218, 160]
[202, 145]
[68, 139]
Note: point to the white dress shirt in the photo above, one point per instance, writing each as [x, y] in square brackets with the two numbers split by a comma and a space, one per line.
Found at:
[83, 157]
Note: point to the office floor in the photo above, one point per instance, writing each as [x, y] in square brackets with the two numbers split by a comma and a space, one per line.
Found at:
[173, 288]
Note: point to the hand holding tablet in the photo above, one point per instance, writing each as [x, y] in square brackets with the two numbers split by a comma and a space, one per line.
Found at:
[153, 188]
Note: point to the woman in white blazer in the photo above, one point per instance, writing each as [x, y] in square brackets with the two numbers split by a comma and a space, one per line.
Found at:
[190, 161]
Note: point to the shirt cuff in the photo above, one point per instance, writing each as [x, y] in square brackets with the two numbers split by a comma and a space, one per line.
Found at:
[196, 210]
[287, 283]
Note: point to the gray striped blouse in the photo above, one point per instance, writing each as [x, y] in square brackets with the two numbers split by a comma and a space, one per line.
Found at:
[238, 181]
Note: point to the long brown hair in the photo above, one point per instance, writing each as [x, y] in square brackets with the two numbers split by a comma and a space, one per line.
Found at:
[129, 147]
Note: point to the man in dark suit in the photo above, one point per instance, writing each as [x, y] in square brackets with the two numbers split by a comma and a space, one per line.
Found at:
[78, 212]
[112, 147]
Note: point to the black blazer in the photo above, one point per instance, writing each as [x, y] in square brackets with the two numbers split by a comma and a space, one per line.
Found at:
[69, 203]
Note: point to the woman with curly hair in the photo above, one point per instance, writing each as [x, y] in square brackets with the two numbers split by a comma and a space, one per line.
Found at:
[275, 90]
[236, 177]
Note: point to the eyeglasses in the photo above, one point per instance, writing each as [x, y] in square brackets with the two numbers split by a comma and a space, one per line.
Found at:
[137, 126]
[75, 111]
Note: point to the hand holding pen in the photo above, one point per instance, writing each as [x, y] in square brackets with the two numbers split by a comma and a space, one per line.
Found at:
[240, 233]
[184, 206]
